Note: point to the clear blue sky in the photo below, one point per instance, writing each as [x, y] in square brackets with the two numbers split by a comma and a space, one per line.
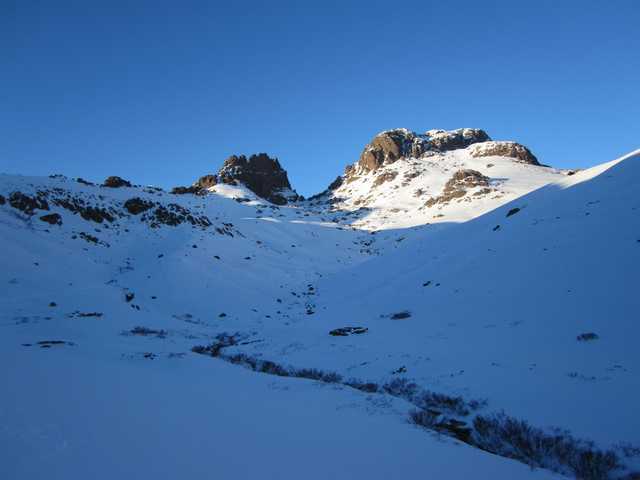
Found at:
[162, 92]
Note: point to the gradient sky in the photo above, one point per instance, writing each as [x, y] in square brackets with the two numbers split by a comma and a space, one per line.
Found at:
[162, 92]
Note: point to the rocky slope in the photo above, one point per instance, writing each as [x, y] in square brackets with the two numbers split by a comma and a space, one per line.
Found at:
[406, 179]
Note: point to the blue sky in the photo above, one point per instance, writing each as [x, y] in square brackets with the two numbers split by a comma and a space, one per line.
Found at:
[162, 92]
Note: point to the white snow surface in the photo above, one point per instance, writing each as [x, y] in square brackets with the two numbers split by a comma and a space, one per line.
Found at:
[494, 314]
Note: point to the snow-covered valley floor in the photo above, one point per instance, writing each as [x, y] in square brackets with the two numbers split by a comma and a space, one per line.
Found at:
[527, 303]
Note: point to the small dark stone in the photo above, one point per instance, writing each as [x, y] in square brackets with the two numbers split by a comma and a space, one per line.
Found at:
[585, 337]
[513, 211]
[129, 296]
[53, 304]
[496, 228]
[400, 315]
[52, 218]
[346, 331]
[222, 315]
[195, 190]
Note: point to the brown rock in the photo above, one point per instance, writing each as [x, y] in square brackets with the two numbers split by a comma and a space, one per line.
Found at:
[116, 182]
[137, 205]
[28, 204]
[52, 218]
[504, 149]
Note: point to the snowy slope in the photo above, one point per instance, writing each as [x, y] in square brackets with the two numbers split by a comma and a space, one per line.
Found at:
[494, 314]
[502, 307]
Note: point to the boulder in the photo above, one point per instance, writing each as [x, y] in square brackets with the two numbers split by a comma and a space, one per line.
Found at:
[53, 219]
[504, 149]
[116, 182]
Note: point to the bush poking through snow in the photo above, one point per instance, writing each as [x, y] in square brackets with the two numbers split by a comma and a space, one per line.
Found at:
[498, 433]
[425, 399]
[145, 331]
[320, 375]
[424, 418]
[557, 451]
[368, 387]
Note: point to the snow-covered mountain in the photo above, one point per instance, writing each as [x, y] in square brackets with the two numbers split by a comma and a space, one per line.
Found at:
[405, 179]
[445, 279]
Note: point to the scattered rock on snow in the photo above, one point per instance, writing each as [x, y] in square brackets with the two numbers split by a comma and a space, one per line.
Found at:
[585, 337]
[52, 218]
[137, 205]
[346, 331]
[27, 204]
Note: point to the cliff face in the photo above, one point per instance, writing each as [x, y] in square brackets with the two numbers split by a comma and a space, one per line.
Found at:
[260, 173]
[391, 145]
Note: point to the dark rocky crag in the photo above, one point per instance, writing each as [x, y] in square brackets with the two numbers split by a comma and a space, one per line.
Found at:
[260, 173]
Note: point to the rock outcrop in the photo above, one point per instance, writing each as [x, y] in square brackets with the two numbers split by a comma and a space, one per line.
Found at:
[391, 145]
[260, 173]
[443, 140]
[116, 182]
[504, 149]
[28, 204]
[206, 181]
[458, 185]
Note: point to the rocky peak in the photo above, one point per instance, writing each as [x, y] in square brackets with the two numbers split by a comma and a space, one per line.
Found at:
[391, 145]
[261, 174]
